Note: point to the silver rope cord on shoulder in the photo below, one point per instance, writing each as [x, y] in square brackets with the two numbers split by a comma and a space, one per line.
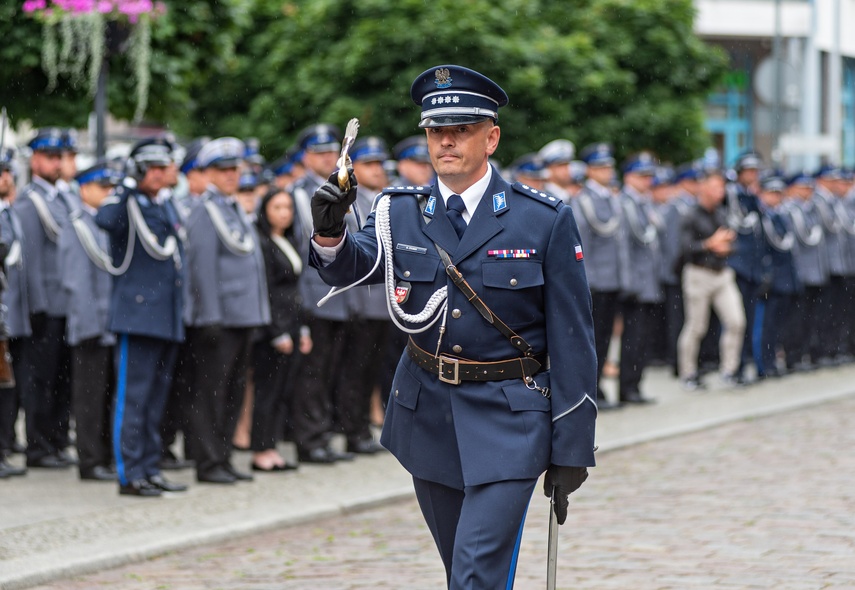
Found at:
[605, 229]
[242, 247]
[783, 243]
[800, 228]
[50, 225]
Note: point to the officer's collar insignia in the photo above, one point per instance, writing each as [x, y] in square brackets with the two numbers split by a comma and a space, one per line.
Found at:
[443, 78]
[431, 206]
[500, 202]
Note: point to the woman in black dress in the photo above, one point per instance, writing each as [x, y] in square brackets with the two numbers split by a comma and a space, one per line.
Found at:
[286, 337]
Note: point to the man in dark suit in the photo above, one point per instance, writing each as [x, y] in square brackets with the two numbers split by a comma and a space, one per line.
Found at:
[477, 412]
[145, 312]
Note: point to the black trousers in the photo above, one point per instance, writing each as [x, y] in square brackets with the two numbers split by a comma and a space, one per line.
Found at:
[46, 389]
[802, 329]
[634, 354]
[362, 364]
[311, 419]
[272, 371]
[832, 318]
[92, 397]
[221, 357]
[10, 399]
[604, 309]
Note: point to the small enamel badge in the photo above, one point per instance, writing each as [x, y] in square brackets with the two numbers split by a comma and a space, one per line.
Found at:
[499, 202]
[579, 255]
[525, 253]
[402, 292]
[431, 206]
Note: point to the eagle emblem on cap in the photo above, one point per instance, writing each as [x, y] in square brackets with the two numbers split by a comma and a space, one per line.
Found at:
[443, 78]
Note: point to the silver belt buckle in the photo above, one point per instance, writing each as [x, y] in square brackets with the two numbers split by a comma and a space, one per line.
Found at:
[446, 361]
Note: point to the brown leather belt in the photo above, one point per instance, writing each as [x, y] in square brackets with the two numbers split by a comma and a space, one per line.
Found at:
[453, 370]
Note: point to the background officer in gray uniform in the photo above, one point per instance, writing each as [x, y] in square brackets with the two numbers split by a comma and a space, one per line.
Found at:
[464, 419]
[599, 217]
[413, 162]
[17, 315]
[641, 289]
[45, 385]
[228, 299]
[556, 156]
[84, 260]
[145, 312]
[312, 412]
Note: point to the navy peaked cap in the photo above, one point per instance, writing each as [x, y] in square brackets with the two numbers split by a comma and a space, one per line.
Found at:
[412, 148]
[529, 166]
[321, 137]
[369, 149]
[642, 163]
[47, 139]
[454, 95]
[749, 161]
[103, 171]
[773, 184]
[155, 151]
[191, 155]
[69, 140]
[598, 154]
[223, 152]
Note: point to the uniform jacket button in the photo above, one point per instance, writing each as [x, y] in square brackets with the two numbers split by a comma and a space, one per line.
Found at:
[457, 348]
[140, 298]
[513, 282]
[455, 313]
[396, 393]
[406, 274]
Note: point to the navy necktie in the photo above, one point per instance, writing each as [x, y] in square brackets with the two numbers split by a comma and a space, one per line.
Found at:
[455, 211]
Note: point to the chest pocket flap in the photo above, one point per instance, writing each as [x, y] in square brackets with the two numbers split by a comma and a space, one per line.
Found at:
[413, 266]
[512, 274]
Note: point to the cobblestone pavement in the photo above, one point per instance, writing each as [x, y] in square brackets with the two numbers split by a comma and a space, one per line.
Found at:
[768, 503]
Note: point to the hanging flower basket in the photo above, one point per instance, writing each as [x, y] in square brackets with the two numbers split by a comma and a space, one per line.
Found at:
[79, 34]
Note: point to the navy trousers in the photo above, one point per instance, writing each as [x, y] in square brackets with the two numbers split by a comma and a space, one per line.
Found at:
[477, 530]
[144, 369]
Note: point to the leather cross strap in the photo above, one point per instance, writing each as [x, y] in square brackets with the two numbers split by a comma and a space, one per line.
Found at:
[453, 370]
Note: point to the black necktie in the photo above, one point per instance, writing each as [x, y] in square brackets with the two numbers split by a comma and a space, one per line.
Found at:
[455, 211]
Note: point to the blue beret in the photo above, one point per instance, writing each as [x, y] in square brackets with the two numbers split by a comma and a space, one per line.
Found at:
[223, 152]
[454, 95]
[530, 166]
[321, 137]
[749, 161]
[641, 163]
[369, 149]
[191, 161]
[598, 154]
[558, 151]
[412, 148]
[154, 151]
[48, 139]
[103, 172]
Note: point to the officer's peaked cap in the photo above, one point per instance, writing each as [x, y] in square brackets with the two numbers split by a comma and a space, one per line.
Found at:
[321, 137]
[223, 152]
[454, 95]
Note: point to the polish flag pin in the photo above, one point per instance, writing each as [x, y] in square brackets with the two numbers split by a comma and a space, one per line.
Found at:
[579, 255]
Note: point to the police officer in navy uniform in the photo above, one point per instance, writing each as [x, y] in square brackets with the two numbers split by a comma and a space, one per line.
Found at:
[312, 411]
[43, 210]
[600, 218]
[413, 162]
[145, 312]
[475, 415]
[84, 257]
[228, 300]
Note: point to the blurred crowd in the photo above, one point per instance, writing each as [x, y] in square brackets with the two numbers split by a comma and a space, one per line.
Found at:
[159, 313]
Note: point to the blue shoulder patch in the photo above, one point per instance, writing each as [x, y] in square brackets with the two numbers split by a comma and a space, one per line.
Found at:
[537, 195]
[407, 190]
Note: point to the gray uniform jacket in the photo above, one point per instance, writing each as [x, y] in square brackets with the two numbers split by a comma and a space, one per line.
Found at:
[312, 287]
[228, 287]
[810, 253]
[672, 214]
[645, 257]
[15, 299]
[41, 234]
[599, 218]
[368, 301]
[836, 236]
[88, 288]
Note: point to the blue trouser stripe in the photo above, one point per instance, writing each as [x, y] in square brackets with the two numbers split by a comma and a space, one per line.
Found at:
[757, 336]
[119, 414]
[512, 572]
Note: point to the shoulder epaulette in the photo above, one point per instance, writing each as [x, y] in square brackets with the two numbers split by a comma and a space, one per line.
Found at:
[407, 190]
[537, 195]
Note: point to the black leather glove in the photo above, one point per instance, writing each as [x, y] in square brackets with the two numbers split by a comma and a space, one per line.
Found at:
[330, 204]
[565, 481]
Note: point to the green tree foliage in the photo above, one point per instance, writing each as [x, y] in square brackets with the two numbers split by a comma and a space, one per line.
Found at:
[630, 72]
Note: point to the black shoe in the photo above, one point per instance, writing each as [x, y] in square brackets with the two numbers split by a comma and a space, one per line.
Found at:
[238, 475]
[165, 485]
[172, 463]
[64, 456]
[365, 447]
[216, 475]
[98, 473]
[48, 462]
[289, 466]
[141, 487]
[635, 397]
[321, 455]
[9, 470]
[345, 456]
